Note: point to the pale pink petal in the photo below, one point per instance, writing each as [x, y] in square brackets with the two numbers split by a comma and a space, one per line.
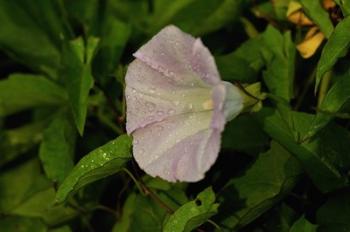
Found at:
[182, 147]
[175, 53]
[152, 97]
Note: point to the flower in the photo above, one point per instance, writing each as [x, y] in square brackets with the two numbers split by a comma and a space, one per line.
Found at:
[177, 106]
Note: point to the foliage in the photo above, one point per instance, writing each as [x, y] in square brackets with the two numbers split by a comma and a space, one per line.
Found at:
[65, 159]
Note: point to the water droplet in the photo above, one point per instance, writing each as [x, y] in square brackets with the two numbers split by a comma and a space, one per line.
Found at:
[160, 113]
[171, 111]
[134, 90]
[190, 106]
[150, 106]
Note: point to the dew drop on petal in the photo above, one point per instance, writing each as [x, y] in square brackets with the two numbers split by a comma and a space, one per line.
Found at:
[171, 111]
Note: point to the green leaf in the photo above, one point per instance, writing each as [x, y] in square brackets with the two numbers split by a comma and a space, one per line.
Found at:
[100, 163]
[334, 215]
[21, 36]
[19, 183]
[303, 225]
[22, 224]
[57, 148]
[279, 55]
[288, 128]
[234, 68]
[140, 211]
[345, 6]
[195, 16]
[193, 214]
[335, 48]
[244, 134]
[40, 205]
[114, 38]
[61, 229]
[19, 140]
[23, 91]
[336, 98]
[281, 7]
[78, 77]
[318, 15]
[270, 177]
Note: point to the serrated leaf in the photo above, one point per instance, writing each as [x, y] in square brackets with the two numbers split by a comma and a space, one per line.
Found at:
[336, 47]
[57, 148]
[102, 162]
[270, 177]
[193, 213]
[24, 91]
[318, 15]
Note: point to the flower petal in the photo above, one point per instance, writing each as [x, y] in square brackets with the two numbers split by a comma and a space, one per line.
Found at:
[152, 97]
[178, 148]
[175, 53]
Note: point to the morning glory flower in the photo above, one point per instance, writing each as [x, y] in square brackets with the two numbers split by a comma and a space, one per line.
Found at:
[177, 106]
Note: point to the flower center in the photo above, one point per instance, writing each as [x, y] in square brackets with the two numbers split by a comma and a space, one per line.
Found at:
[208, 105]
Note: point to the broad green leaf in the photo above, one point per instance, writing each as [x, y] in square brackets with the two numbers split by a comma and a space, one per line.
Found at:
[244, 134]
[334, 215]
[24, 91]
[233, 68]
[279, 55]
[77, 70]
[345, 6]
[114, 37]
[195, 16]
[57, 148]
[303, 225]
[140, 212]
[270, 177]
[279, 218]
[144, 212]
[193, 213]
[50, 17]
[319, 16]
[17, 141]
[336, 98]
[84, 12]
[21, 224]
[61, 229]
[288, 128]
[21, 37]
[281, 7]
[41, 205]
[100, 163]
[19, 183]
[336, 47]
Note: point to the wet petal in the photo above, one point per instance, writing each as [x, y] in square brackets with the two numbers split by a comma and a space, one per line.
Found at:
[182, 147]
[152, 97]
[175, 53]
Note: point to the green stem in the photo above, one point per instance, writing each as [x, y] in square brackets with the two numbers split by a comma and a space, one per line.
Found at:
[135, 180]
[326, 80]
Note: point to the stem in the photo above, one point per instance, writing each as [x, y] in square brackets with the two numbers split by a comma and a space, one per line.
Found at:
[139, 187]
[309, 81]
[109, 123]
[324, 88]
